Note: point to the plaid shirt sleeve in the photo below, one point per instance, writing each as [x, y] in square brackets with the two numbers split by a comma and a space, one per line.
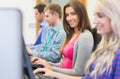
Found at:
[114, 74]
[116, 66]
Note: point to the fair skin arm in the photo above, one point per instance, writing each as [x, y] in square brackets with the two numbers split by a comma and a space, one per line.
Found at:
[40, 61]
[30, 52]
[54, 74]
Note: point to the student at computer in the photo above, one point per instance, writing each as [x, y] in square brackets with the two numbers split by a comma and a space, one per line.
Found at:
[77, 47]
[40, 17]
[50, 50]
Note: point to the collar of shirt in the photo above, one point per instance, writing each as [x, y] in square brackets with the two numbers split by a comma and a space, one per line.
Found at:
[43, 24]
[60, 26]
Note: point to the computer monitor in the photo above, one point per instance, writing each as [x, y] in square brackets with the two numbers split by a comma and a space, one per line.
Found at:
[11, 65]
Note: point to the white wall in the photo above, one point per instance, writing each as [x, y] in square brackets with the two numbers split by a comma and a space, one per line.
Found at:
[26, 7]
[90, 9]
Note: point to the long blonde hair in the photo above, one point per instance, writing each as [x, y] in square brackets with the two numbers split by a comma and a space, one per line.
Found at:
[109, 43]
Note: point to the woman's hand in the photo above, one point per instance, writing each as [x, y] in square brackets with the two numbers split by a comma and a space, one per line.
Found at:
[45, 70]
[40, 61]
[54, 74]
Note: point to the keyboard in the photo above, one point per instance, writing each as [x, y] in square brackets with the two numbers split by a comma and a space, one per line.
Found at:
[41, 76]
[34, 66]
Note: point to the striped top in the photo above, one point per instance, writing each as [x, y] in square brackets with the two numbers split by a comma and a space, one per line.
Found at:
[113, 74]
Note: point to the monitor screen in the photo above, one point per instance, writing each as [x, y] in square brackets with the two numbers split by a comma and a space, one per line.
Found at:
[11, 66]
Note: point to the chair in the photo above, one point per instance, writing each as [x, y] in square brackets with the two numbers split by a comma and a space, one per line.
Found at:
[97, 38]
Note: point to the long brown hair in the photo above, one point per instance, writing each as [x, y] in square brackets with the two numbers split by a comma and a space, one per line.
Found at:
[84, 22]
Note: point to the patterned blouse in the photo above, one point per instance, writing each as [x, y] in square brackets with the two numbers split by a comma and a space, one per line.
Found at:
[113, 74]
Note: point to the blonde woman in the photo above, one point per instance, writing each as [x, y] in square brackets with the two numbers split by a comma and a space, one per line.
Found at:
[105, 61]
